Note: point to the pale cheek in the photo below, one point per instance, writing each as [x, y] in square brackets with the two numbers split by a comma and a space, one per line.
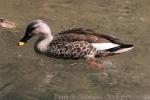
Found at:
[37, 31]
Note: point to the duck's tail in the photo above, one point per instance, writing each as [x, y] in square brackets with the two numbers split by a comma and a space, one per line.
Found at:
[121, 48]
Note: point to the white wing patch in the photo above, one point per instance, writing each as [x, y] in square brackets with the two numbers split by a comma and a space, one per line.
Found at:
[104, 46]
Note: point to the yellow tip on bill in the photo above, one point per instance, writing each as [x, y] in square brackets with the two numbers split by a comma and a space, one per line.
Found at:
[21, 43]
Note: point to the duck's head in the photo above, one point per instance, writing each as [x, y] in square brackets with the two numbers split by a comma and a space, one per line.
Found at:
[37, 27]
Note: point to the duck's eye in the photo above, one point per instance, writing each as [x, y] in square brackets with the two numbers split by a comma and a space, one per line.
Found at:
[30, 34]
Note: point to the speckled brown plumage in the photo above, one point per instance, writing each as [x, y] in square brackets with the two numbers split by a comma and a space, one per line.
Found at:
[75, 43]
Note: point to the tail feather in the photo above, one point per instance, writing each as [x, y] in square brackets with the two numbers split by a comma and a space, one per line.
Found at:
[120, 49]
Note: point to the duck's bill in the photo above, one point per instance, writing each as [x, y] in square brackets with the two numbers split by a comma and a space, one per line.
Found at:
[21, 43]
[24, 39]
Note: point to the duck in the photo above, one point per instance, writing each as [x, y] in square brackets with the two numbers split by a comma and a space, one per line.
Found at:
[75, 43]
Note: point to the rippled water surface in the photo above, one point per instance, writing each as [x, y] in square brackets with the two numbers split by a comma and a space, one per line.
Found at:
[26, 75]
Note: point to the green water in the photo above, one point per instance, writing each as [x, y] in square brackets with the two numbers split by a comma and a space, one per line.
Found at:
[26, 75]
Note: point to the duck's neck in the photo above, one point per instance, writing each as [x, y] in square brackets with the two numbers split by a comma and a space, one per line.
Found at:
[43, 43]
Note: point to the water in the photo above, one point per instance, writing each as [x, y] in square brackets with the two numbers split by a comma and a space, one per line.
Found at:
[26, 75]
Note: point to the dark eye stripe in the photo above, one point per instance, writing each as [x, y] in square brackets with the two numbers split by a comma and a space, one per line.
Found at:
[31, 27]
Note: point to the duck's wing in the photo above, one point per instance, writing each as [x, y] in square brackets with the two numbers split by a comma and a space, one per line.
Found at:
[82, 34]
[97, 40]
